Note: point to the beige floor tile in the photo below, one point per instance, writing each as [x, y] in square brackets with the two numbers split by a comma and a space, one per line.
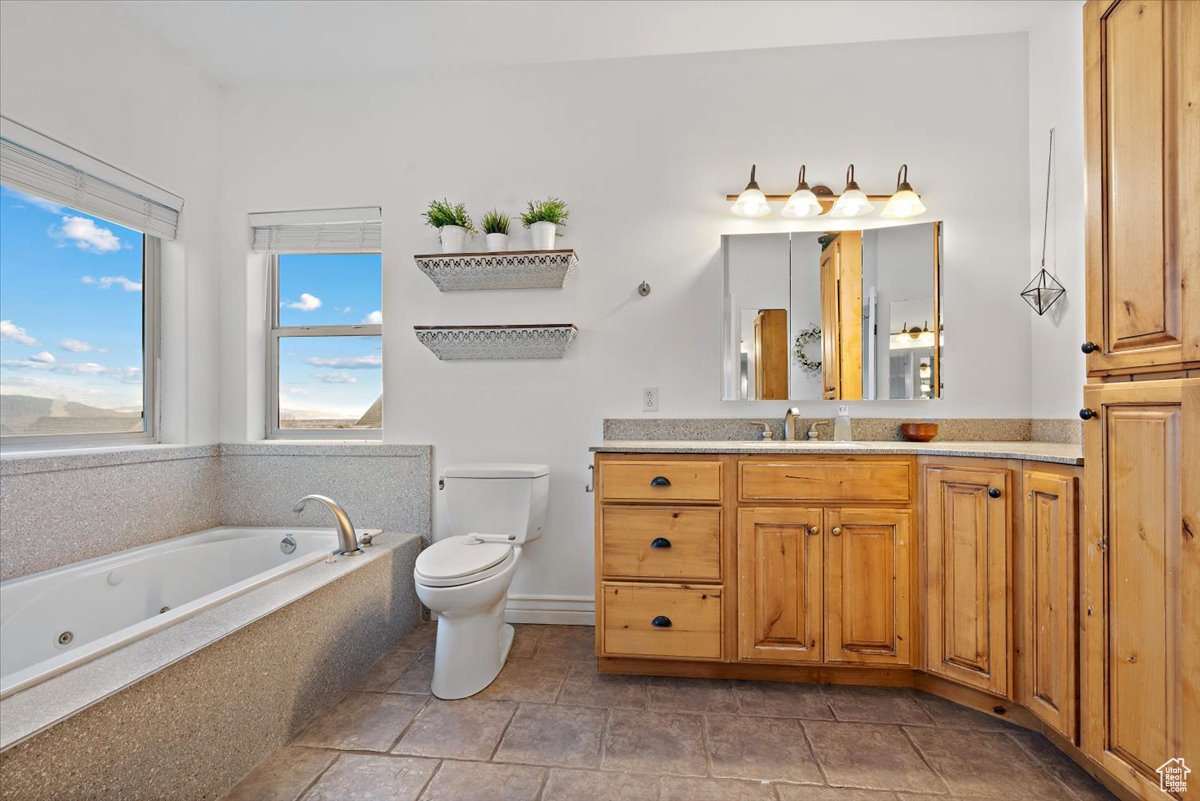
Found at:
[567, 642]
[956, 716]
[1080, 785]
[562, 736]
[416, 678]
[362, 777]
[421, 638]
[283, 775]
[985, 764]
[870, 756]
[877, 705]
[525, 641]
[654, 742]
[467, 729]
[682, 788]
[386, 670]
[592, 785]
[536, 680]
[765, 749]
[692, 695]
[586, 687]
[782, 700]
[363, 722]
[484, 781]
[800, 792]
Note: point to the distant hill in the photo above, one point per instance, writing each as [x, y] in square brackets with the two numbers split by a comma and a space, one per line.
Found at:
[24, 414]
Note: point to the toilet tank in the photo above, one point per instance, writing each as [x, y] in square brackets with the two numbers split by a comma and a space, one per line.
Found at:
[497, 498]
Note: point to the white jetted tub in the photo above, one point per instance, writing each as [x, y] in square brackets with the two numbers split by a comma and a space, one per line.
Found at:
[60, 618]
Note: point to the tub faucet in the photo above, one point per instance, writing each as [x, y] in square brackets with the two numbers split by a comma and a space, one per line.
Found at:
[347, 541]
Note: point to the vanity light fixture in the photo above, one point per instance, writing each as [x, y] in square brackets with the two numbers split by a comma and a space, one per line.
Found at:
[853, 202]
[751, 202]
[803, 202]
[904, 203]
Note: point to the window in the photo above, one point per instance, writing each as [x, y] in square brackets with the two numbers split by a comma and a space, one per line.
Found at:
[325, 358]
[78, 325]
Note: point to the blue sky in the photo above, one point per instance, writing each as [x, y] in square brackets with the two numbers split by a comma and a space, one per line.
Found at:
[70, 305]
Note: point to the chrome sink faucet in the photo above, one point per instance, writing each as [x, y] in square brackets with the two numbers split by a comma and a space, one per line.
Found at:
[790, 422]
[347, 540]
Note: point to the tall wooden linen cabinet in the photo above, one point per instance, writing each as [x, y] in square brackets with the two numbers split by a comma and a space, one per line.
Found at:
[1140, 574]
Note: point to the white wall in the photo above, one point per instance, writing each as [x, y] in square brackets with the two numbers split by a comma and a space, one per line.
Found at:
[1056, 101]
[643, 150]
[84, 75]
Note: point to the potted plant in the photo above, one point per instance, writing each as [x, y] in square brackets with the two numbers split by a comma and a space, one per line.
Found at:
[452, 222]
[542, 218]
[495, 230]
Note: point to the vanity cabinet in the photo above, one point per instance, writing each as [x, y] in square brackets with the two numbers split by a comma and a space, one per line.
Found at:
[967, 534]
[1141, 101]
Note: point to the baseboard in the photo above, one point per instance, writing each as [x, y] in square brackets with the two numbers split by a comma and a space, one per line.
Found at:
[563, 610]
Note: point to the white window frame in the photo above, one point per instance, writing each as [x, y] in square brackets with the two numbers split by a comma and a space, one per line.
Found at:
[151, 331]
[275, 333]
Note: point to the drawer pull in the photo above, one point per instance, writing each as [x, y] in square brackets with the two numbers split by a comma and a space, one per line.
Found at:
[993, 492]
[661, 622]
[660, 542]
[660, 481]
[814, 530]
[836, 531]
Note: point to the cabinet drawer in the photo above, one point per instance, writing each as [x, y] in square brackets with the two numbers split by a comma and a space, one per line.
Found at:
[660, 481]
[663, 543]
[674, 621]
[833, 480]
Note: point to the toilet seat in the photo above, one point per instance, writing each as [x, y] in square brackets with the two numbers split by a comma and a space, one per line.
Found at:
[460, 560]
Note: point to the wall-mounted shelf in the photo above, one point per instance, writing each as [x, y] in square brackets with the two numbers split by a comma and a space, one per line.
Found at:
[507, 269]
[462, 342]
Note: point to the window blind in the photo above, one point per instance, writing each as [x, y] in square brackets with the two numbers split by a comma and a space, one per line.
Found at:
[39, 165]
[353, 230]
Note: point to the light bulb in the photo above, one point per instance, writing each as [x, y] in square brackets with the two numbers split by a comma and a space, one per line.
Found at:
[751, 202]
[853, 202]
[803, 203]
[904, 203]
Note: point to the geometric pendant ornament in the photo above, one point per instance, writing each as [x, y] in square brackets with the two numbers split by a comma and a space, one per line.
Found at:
[1042, 291]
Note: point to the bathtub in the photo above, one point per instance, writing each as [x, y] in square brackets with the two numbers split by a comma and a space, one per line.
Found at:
[53, 621]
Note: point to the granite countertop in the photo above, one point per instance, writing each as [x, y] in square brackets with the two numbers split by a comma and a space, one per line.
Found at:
[1056, 452]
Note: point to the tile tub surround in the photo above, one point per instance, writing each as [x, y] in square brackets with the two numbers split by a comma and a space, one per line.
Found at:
[106, 500]
[192, 729]
[58, 509]
[870, 429]
[632, 741]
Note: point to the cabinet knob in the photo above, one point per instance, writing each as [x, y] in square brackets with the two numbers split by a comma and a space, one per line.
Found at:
[1086, 414]
[814, 530]
[661, 622]
[1089, 347]
[660, 481]
[660, 542]
[993, 492]
[836, 531]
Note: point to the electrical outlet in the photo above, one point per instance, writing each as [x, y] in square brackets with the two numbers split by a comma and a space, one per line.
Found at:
[650, 399]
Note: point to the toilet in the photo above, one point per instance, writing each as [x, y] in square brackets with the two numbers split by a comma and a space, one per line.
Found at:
[493, 509]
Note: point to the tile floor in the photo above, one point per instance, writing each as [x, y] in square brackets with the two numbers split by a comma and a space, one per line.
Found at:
[551, 729]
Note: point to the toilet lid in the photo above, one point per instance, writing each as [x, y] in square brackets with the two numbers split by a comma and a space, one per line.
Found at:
[460, 558]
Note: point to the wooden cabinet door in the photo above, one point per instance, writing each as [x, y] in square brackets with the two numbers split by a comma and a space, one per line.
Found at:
[830, 352]
[771, 355]
[967, 533]
[1142, 578]
[1142, 110]
[868, 576]
[1047, 582]
[779, 584]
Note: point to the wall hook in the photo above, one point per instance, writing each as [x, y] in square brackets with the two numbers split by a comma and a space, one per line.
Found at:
[643, 289]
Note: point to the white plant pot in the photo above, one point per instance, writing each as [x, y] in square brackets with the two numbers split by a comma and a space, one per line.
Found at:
[543, 235]
[454, 238]
[497, 242]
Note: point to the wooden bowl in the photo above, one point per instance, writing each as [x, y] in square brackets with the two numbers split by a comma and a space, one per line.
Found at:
[918, 432]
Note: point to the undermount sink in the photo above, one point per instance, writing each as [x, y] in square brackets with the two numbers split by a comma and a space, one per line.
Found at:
[802, 444]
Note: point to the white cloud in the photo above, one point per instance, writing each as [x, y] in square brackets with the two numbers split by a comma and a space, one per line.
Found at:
[347, 362]
[109, 281]
[374, 318]
[126, 375]
[343, 309]
[15, 333]
[37, 202]
[45, 357]
[84, 234]
[339, 377]
[80, 346]
[306, 303]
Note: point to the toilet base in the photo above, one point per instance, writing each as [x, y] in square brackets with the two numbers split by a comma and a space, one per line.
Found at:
[470, 652]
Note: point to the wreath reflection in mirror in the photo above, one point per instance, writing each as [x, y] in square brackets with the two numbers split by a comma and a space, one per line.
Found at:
[805, 338]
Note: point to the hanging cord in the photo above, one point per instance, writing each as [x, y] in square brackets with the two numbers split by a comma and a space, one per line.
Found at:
[1046, 215]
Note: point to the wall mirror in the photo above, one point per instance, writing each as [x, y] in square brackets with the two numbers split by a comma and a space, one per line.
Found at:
[837, 315]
